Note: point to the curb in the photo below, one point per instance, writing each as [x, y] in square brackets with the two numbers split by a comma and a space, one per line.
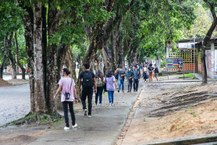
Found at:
[209, 139]
[128, 120]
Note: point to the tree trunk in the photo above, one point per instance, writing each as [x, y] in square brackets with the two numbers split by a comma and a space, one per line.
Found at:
[2, 66]
[28, 21]
[207, 38]
[4, 57]
[17, 59]
[40, 102]
[204, 72]
[23, 71]
[54, 59]
[70, 63]
[11, 57]
[103, 31]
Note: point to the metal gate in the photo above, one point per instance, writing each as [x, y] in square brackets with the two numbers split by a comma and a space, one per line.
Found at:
[184, 61]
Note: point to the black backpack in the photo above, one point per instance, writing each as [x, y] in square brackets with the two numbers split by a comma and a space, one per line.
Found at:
[150, 69]
[87, 80]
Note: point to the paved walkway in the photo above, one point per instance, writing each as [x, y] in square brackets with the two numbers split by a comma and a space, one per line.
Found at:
[102, 129]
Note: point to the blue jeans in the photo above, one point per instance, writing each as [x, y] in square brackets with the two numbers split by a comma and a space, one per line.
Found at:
[120, 83]
[99, 95]
[111, 96]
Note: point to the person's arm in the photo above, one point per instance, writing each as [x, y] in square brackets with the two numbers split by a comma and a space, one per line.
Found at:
[58, 91]
[75, 93]
[116, 86]
[94, 84]
[79, 80]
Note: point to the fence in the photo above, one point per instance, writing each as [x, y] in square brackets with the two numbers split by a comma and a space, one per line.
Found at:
[186, 61]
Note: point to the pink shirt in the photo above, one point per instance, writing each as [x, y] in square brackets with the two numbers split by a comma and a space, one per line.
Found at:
[66, 82]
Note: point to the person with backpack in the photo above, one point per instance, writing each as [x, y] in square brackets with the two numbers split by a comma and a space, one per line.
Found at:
[156, 71]
[145, 73]
[88, 82]
[121, 76]
[68, 95]
[100, 86]
[136, 76]
[151, 72]
[130, 79]
[110, 87]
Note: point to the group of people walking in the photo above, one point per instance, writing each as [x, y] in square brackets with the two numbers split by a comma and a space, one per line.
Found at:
[94, 83]
[149, 72]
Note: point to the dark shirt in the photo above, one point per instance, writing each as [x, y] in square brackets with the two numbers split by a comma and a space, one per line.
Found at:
[136, 74]
[129, 74]
[82, 74]
[121, 74]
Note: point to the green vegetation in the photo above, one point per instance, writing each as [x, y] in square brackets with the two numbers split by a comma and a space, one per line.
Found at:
[188, 75]
[43, 36]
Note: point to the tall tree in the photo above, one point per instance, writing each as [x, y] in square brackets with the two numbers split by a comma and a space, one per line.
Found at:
[212, 4]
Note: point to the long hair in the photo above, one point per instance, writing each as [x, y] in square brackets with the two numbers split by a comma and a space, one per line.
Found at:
[109, 74]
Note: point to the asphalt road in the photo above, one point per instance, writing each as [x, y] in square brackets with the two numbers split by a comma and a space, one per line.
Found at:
[14, 103]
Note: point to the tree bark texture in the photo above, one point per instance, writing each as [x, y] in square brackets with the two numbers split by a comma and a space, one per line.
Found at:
[103, 31]
[40, 103]
[11, 57]
[4, 57]
[207, 38]
[28, 21]
[17, 59]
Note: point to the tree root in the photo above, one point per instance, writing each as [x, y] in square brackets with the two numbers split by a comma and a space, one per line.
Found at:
[36, 118]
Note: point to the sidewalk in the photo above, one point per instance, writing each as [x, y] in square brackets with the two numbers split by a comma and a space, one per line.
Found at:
[102, 129]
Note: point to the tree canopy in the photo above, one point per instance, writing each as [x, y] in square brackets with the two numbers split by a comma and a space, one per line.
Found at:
[46, 35]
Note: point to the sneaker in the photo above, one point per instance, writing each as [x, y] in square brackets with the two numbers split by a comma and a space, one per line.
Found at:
[85, 112]
[66, 128]
[74, 126]
[89, 116]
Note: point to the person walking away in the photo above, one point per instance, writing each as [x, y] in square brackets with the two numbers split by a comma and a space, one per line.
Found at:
[156, 71]
[88, 81]
[141, 68]
[136, 76]
[110, 87]
[100, 86]
[130, 79]
[68, 95]
[121, 75]
[145, 73]
[151, 72]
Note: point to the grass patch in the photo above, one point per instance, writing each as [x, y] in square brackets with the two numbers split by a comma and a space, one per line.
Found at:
[188, 75]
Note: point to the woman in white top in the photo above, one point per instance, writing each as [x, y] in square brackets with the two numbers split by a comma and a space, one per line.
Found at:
[68, 95]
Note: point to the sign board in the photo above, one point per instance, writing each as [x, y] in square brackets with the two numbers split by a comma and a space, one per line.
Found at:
[174, 63]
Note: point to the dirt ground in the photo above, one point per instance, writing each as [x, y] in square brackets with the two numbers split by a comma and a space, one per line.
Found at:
[4, 83]
[172, 111]
[162, 111]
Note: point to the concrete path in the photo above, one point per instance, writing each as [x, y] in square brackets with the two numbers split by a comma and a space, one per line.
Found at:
[14, 103]
[102, 128]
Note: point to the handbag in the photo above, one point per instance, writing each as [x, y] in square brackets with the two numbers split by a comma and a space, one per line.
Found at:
[67, 94]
